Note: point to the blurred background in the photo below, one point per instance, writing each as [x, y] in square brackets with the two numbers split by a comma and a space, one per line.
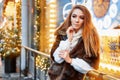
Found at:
[27, 31]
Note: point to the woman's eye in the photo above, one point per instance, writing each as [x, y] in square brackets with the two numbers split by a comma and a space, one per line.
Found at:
[81, 17]
[73, 16]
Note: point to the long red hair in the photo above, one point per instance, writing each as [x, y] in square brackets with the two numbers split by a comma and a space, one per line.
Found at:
[89, 34]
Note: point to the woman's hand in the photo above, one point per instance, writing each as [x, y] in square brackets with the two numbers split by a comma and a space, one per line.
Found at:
[70, 32]
[65, 55]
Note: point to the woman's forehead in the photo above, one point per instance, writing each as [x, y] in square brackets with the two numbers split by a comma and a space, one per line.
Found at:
[78, 12]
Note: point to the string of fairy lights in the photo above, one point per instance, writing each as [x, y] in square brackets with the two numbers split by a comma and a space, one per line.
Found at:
[43, 62]
[10, 40]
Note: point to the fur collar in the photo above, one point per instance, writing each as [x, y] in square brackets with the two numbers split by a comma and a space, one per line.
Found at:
[61, 32]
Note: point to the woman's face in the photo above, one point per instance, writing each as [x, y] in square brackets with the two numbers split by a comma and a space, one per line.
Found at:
[77, 19]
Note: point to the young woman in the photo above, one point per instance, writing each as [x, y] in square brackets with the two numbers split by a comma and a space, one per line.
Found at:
[76, 48]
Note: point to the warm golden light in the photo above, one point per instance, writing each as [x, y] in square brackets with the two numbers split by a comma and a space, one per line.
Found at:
[53, 5]
[52, 25]
[52, 1]
[52, 35]
[52, 11]
[51, 30]
[10, 9]
[52, 21]
[52, 15]
[17, 1]
[110, 67]
[50, 45]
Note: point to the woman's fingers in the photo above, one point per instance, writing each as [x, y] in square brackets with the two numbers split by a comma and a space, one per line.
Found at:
[64, 53]
[70, 32]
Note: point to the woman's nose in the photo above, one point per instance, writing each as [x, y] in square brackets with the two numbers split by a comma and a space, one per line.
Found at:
[77, 20]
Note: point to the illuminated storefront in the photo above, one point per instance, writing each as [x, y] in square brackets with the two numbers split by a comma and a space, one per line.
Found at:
[110, 52]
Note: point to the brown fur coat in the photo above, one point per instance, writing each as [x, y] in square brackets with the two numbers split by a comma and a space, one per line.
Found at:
[67, 72]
